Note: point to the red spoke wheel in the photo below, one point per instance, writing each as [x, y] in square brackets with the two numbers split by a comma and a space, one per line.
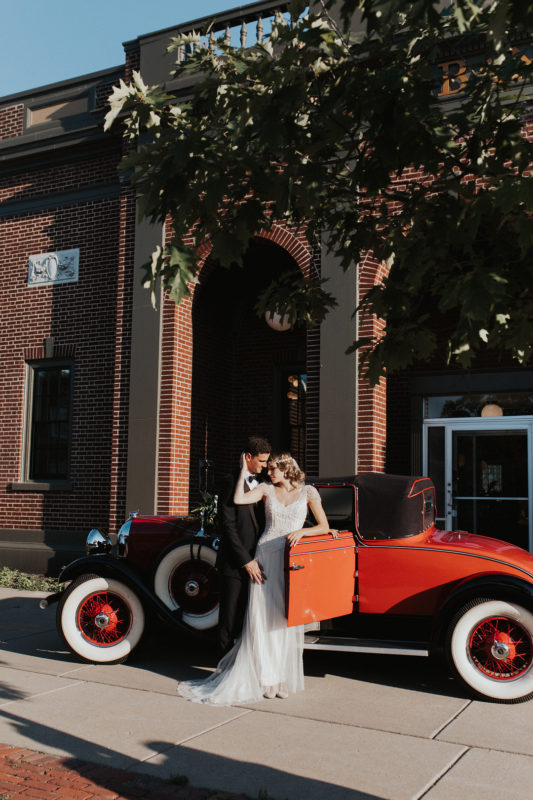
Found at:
[490, 644]
[501, 648]
[104, 618]
[186, 578]
[100, 619]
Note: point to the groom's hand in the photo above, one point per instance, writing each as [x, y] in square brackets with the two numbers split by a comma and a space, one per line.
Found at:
[254, 571]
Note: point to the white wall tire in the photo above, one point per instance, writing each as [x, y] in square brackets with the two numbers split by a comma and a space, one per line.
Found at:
[100, 619]
[490, 643]
[186, 579]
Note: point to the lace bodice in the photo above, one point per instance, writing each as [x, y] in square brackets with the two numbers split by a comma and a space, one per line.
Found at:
[280, 519]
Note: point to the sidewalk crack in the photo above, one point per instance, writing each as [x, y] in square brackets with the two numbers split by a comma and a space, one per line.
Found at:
[181, 742]
[441, 775]
[31, 695]
[214, 727]
[449, 721]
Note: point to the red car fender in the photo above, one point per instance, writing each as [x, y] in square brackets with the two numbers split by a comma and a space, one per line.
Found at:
[491, 585]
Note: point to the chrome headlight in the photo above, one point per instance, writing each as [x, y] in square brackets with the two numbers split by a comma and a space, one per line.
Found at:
[124, 532]
[97, 543]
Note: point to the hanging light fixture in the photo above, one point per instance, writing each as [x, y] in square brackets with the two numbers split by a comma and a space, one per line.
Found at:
[492, 410]
[276, 322]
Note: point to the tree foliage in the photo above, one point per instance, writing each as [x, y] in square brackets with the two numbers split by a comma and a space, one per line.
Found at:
[336, 120]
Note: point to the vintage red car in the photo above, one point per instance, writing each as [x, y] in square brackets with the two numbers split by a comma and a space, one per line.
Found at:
[390, 583]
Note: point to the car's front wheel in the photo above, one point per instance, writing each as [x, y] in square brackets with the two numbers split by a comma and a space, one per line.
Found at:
[490, 644]
[100, 619]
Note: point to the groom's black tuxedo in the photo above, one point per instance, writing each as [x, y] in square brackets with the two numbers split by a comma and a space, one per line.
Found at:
[241, 529]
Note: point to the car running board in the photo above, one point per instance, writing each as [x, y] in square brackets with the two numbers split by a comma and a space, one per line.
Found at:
[312, 641]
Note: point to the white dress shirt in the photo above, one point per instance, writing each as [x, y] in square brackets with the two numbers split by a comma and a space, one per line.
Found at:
[250, 480]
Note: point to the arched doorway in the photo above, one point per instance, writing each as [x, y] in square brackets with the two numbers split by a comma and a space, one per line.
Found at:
[246, 377]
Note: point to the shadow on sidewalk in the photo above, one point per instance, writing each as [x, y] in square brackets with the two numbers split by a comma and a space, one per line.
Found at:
[419, 674]
[25, 629]
[244, 776]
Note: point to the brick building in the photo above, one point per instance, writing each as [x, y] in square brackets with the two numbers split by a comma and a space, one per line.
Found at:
[107, 405]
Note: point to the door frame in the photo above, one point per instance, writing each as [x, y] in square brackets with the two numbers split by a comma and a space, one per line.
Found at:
[452, 424]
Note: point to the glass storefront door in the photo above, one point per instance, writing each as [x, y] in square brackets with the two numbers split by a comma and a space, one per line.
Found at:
[482, 470]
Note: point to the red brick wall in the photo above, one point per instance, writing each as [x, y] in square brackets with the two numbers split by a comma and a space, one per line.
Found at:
[90, 321]
[11, 121]
[371, 401]
[175, 408]
[68, 176]
[122, 359]
[313, 401]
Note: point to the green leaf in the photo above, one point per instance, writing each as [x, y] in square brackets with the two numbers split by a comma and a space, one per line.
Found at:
[302, 300]
[337, 123]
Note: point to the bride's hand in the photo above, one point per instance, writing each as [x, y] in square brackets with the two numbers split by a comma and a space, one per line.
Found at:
[294, 537]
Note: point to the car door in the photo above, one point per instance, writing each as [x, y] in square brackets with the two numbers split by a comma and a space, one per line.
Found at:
[320, 578]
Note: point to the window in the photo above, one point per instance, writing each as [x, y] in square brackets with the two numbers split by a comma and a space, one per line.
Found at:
[48, 421]
[479, 404]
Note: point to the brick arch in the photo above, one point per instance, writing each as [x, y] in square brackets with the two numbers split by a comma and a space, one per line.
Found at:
[296, 245]
[174, 465]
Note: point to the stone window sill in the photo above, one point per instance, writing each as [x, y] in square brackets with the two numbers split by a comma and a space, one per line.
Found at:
[42, 486]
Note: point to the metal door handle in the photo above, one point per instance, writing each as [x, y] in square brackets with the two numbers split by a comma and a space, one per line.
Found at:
[296, 566]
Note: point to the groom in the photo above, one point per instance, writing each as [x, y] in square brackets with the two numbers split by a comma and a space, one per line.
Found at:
[241, 528]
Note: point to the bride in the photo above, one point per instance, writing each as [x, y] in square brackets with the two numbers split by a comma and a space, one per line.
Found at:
[267, 661]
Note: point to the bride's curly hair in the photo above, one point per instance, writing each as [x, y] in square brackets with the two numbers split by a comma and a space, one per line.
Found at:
[287, 464]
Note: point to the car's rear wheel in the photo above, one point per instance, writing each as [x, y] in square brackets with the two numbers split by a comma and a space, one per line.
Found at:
[100, 619]
[186, 578]
[490, 644]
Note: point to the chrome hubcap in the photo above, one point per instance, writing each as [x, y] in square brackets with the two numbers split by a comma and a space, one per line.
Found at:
[101, 620]
[192, 588]
[500, 651]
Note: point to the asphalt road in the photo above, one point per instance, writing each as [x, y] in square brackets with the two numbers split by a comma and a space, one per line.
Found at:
[366, 727]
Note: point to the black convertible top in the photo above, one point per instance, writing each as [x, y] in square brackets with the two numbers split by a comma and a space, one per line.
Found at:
[387, 507]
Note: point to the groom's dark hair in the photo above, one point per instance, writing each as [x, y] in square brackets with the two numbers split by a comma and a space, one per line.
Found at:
[256, 444]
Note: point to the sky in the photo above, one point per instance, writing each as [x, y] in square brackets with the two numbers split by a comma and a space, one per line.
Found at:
[45, 41]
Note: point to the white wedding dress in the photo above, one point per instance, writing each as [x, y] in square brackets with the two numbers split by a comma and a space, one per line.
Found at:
[268, 652]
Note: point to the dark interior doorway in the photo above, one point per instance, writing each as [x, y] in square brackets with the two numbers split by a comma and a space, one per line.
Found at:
[243, 371]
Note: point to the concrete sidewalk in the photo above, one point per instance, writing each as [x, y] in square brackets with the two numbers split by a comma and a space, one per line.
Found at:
[366, 727]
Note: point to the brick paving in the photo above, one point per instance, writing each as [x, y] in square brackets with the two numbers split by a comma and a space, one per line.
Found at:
[29, 775]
